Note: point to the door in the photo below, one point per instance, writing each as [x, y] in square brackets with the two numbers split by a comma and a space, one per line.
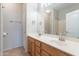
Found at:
[12, 27]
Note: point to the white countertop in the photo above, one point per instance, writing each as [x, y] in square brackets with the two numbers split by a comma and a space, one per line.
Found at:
[68, 46]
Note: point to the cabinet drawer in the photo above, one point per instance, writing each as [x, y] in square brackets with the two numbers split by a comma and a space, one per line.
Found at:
[37, 43]
[53, 51]
[43, 53]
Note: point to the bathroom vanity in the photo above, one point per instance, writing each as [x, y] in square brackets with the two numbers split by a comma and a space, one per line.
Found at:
[64, 22]
[42, 47]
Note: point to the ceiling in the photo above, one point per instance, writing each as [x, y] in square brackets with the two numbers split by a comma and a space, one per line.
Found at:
[60, 6]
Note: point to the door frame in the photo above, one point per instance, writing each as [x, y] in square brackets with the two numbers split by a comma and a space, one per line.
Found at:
[1, 23]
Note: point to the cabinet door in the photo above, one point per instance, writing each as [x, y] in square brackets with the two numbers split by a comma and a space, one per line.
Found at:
[37, 51]
[32, 49]
[31, 46]
[37, 48]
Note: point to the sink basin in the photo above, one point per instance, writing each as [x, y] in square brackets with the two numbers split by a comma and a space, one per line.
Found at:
[48, 38]
[52, 39]
[58, 42]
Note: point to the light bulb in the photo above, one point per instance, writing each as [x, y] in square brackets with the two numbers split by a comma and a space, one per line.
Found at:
[47, 11]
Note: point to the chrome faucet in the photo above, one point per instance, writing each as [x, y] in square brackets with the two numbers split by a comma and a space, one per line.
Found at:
[39, 34]
[61, 36]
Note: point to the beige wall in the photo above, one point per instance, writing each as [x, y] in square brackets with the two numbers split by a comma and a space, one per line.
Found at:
[51, 22]
[47, 23]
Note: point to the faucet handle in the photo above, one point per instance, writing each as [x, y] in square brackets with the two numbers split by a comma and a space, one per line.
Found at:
[61, 36]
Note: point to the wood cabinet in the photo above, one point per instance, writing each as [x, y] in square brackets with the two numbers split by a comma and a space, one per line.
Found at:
[44, 53]
[52, 51]
[38, 48]
[31, 46]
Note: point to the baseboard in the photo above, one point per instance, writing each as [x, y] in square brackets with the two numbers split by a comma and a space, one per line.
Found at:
[12, 48]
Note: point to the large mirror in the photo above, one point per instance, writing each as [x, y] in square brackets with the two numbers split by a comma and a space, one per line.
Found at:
[61, 18]
[72, 23]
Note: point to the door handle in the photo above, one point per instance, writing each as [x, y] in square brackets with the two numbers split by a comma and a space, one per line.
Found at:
[4, 34]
